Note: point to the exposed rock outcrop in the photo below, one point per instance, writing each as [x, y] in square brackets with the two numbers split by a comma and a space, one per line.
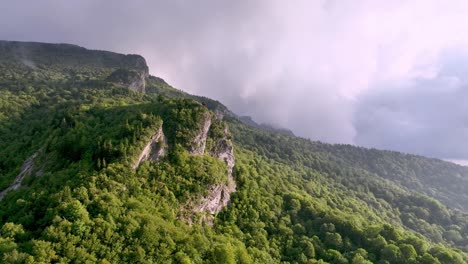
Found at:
[224, 151]
[134, 80]
[154, 149]
[219, 114]
[220, 195]
[26, 169]
[217, 199]
[199, 141]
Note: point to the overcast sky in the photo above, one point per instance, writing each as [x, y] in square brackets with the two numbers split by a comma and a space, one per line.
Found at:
[385, 74]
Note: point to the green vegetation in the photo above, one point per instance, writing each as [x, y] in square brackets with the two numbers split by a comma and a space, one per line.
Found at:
[296, 201]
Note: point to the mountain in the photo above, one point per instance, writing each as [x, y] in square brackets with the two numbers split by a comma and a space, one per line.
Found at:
[102, 163]
[249, 121]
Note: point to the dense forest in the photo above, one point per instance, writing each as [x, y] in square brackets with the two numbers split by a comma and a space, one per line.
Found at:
[75, 186]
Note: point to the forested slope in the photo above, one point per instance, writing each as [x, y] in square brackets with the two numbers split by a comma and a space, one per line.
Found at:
[81, 199]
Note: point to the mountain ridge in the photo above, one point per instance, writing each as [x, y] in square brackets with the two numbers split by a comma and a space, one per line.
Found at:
[38, 51]
[295, 200]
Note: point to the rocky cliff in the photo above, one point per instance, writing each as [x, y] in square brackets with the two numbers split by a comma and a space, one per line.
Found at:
[26, 169]
[220, 195]
[154, 149]
[221, 147]
[134, 80]
[199, 141]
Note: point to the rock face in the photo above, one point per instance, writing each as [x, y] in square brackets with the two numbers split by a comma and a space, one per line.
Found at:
[134, 80]
[154, 149]
[199, 142]
[220, 195]
[219, 114]
[26, 169]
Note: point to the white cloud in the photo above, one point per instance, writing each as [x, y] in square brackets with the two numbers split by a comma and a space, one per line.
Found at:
[306, 65]
[460, 162]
